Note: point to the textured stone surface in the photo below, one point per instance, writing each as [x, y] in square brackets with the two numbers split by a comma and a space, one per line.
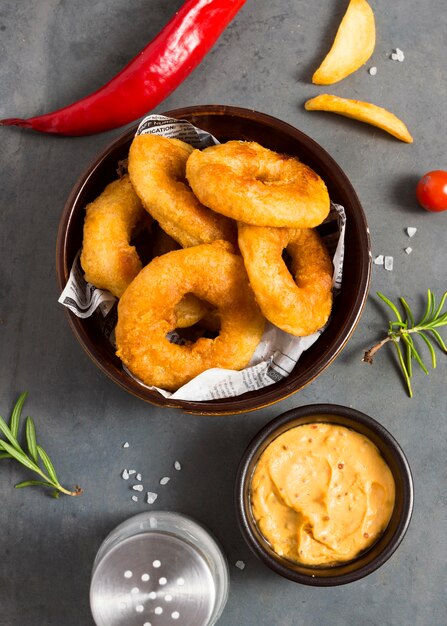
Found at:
[55, 51]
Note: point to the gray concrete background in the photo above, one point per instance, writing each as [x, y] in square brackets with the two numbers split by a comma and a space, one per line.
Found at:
[53, 52]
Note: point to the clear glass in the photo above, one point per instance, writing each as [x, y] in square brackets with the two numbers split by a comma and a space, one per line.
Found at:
[159, 568]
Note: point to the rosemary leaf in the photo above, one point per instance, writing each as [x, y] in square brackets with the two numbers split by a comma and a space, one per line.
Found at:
[8, 434]
[414, 353]
[48, 464]
[430, 348]
[407, 310]
[428, 309]
[404, 368]
[16, 412]
[31, 440]
[32, 483]
[441, 305]
[391, 305]
[439, 339]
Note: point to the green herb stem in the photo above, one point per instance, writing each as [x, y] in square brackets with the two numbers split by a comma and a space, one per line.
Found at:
[10, 448]
[403, 329]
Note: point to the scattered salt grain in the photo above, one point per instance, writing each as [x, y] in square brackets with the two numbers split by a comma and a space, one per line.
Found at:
[177, 466]
[389, 261]
[408, 250]
[131, 472]
[137, 487]
[151, 497]
[373, 70]
[125, 475]
[128, 574]
[397, 55]
[126, 445]
[164, 480]
[240, 565]
[411, 231]
[378, 260]
[138, 477]
[135, 498]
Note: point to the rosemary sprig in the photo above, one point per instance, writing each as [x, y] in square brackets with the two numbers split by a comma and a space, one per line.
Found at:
[404, 328]
[10, 448]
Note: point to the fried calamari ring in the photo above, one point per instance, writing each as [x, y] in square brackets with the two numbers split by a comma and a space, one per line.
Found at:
[254, 185]
[157, 171]
[301, 306]
[190, 310]
[107, 258]
[146, 313]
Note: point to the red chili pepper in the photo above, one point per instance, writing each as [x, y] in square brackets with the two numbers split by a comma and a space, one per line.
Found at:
[148, 79]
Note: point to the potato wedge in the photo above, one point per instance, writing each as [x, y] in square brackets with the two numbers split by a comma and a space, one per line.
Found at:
[353, 44]
[363, 112]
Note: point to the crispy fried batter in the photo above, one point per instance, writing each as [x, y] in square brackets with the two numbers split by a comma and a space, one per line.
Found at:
[157, 171]
[146, 313]
[107, 258]
[250, 183]
[300, 306]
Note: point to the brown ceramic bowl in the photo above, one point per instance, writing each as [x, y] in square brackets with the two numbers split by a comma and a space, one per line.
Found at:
[227, 123]
[366, 562]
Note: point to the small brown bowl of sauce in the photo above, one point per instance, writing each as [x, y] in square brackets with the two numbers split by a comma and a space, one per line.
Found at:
[324, 495]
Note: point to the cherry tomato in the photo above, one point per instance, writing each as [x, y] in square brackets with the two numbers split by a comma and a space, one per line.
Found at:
[431, 191]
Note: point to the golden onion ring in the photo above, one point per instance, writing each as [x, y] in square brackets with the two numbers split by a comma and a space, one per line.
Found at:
[252, 184]
[146, 314]
[298, 304]
[107, 258]
[157, 171]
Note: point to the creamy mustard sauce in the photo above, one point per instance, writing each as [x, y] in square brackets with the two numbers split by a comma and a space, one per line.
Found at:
[321, 494]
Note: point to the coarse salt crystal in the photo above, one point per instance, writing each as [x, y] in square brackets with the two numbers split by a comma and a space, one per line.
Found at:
[132, 472]
[164, 480]
[373, 70]
[408, 250]
[240, 565]
[400, 55]
[177, 466]
[151, 497]
[125, 475]
[389, 261]
[378, 260]
[135, 498]
[137, 487]
[126, 445]
[394, 56]
[411, 231]
[138, 476]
